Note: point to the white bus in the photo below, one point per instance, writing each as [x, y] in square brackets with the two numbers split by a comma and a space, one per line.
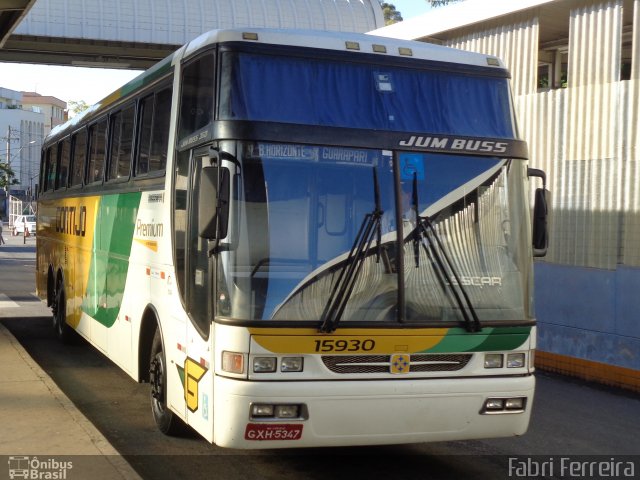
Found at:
[302, 239]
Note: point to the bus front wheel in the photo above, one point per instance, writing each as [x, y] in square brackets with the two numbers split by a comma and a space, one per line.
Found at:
[167, 422]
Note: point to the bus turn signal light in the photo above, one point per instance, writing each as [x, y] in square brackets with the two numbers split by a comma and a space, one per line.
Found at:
[233, 362]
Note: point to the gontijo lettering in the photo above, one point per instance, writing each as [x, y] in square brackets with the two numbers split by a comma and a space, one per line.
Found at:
[71, 220]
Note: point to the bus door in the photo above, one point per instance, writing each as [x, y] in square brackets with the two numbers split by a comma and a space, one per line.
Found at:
[194, 269]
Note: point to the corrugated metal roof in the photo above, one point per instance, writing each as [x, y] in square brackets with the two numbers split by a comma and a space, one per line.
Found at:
[455, 15]
[175, 23]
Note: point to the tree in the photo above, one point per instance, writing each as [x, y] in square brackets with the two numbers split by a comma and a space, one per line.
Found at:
[391, 15]
[77, 106]
[7, 176]
[441, 3]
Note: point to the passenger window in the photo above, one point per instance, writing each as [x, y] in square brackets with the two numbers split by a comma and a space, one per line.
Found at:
[64, 160]
[97, 151]
[49, 170]
[78, 154]
[155, 114]
[121, 133]
[196, 100]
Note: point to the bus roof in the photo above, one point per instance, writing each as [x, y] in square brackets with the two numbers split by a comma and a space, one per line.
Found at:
[343, 41]
[338, 41]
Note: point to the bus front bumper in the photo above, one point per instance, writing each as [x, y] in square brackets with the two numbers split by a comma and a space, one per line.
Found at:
[341, 413]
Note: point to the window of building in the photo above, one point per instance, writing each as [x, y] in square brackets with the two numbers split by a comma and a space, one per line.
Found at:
[626, 47]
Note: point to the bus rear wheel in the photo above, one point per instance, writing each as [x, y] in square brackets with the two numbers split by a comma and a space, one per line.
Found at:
[59, 308]
[166, 421]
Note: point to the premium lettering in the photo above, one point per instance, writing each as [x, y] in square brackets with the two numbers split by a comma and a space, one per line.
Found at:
[149, 229]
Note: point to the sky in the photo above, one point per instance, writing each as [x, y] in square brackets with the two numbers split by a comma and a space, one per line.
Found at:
[93, 84]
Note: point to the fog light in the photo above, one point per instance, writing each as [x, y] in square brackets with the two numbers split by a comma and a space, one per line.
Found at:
[287, 411]
[261, 410]
[493, 360]
[515, 403]
[264, 364]
[494, 404]
[292, 364]
[233, 362]
[515, 360]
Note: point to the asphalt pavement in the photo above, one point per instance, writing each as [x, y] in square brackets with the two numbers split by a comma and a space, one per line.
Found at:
[42, 433]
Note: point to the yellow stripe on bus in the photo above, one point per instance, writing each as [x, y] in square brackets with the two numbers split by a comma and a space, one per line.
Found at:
[374, 341]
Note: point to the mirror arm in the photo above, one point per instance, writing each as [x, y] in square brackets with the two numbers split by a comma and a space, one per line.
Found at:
[536, 172]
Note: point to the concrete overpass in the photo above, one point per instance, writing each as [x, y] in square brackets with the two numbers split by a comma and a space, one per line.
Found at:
[137, 33]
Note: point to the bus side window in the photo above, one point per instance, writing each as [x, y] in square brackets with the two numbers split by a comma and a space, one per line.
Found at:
[97, 151]
[49, 170]
[145, 122]
[78, 153]
[196, 98]
[121, 134]
[155, 114]
[64, 158]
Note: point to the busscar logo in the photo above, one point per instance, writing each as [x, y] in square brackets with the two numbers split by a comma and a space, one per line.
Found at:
[468, 145]
[35, 468]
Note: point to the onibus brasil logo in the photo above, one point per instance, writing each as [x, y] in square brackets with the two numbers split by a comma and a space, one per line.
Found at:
[40, 469]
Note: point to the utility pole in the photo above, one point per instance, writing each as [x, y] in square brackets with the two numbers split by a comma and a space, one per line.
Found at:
[9, 147]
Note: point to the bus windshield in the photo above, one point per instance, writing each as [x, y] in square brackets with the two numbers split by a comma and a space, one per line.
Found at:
[299, 209]
[365, 96]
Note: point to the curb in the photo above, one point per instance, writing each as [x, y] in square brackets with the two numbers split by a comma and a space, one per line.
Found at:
[122, 467]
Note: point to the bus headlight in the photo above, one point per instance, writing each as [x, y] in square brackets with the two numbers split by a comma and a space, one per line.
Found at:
[493, 360]
[515, 360]
[264, 364]
[292, 364]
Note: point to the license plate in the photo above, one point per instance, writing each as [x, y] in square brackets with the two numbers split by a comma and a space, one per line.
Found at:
[259, 431]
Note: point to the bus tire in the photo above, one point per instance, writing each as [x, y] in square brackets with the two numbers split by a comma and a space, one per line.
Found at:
[62, 330]
[166, 421]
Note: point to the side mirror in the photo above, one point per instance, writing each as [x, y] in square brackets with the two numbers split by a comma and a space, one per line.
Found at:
[213, 202]
[541, 204]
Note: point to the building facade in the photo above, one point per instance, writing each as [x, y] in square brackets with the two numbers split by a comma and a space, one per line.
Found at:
[53, 109]
[575, 68]
[22, 130]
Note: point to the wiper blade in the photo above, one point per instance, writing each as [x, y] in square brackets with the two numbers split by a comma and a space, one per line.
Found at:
[426, 231]
[343, 287]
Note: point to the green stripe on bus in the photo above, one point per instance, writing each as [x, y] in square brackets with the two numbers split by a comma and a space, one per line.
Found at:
[115, 224]
[490, 339]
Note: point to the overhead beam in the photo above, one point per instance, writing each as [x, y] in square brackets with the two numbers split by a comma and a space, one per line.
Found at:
[86, 53]
[11, 14]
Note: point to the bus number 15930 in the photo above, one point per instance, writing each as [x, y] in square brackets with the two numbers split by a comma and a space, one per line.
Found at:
[350, 345]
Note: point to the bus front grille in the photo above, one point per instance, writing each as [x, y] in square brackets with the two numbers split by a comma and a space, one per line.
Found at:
[382, 363]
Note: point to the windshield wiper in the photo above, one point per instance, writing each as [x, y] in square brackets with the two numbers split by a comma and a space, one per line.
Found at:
[426, 231]
[343, 287]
